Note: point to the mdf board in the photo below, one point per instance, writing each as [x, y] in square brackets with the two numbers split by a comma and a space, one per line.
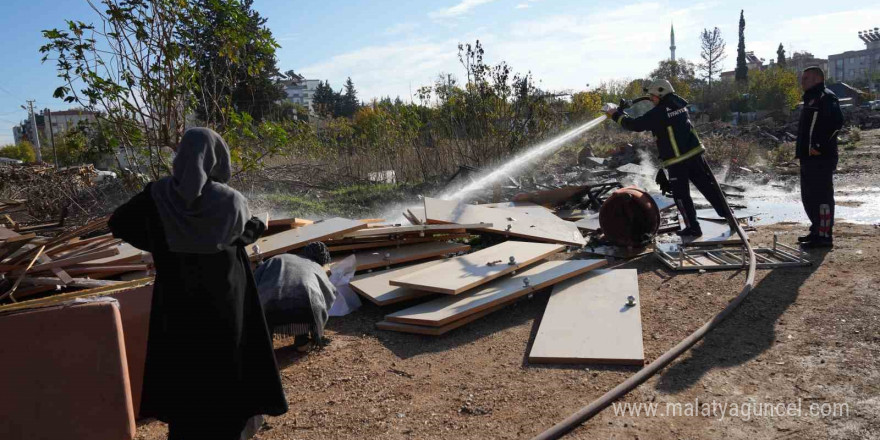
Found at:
[587, 321]
[394, 230]
[437, 331]
[374, 286]
[506, 222]
[65, 374]
[127, 254]
[296, 238]
[528, 208]
[465, 272]
[444, 310]
[389, 256]
[341, 246]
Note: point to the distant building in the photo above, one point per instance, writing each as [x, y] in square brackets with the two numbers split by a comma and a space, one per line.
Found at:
[301, 91]
[859, 66]
[65, 120]
[845, 92]
[752, 63]
[671, 43]
[801, 60]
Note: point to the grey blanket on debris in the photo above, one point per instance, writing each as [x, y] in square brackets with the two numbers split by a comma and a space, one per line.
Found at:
[291, 288]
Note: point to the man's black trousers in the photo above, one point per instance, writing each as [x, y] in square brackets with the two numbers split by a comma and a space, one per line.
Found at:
[817, 193]
[694, 170]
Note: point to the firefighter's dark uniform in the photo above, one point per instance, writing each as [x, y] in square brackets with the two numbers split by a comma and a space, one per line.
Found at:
[681, 153]
[820, 121]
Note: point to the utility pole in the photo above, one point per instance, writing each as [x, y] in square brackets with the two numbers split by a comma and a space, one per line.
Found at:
[37, 151]
[51, 135]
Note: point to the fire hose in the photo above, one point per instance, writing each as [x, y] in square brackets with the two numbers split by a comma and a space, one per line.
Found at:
[586, 413]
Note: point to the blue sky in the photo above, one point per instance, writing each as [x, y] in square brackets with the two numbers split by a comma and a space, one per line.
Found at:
[392, 47]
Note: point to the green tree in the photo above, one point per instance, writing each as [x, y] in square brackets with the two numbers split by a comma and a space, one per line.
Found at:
[132, 65]
[324, 99]
[775, 90]
[742, 71]
[680, 73]
[22, 151]
[585, 105]
[234, 54]
[348, 102]
[780, 56]
[149, 63]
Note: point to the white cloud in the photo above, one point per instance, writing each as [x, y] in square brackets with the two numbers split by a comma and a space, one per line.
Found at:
[401, 28]
[571, 50]
[521, 6]
[457, 10]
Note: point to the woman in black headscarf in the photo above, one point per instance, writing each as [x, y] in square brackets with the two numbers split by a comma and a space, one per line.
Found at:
[210, 364]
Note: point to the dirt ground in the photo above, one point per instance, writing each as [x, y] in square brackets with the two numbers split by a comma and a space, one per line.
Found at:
[808, 337]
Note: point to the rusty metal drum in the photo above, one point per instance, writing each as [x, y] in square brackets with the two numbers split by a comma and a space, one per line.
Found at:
[629, 217]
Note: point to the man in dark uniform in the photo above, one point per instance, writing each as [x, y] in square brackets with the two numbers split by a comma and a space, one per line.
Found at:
[816, 148]
[680, 150]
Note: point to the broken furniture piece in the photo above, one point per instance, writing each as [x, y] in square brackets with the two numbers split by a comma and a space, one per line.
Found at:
[681, 258]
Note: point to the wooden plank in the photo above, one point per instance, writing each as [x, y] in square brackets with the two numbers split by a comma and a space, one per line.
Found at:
[126, 253]
[12, 244]
[80, 259]
[299, 237]
[6, 233]
[389, 256]
[460, 274]
[437, 331]
[444, 310]
[587, 321]
[74, 282]
[505, 222]
[393, 230]
[529, 208]
[374, 286]
[351, 246]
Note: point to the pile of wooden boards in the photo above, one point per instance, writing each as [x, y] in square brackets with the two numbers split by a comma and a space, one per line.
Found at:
[83, 258]
[589, 317]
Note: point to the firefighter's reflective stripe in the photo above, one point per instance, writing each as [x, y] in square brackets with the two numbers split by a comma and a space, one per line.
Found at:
[685, 156]
[812, 126]
[673, 141]
[824, 220]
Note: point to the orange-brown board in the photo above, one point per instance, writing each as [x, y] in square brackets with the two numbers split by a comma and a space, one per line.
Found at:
[65, 374]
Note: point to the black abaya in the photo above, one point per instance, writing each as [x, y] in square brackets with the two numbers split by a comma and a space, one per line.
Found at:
[209, 353]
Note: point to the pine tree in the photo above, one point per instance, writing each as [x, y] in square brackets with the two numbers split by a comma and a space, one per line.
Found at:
[742, 72]
[324, 99]
[780, 56]
[349, 104]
